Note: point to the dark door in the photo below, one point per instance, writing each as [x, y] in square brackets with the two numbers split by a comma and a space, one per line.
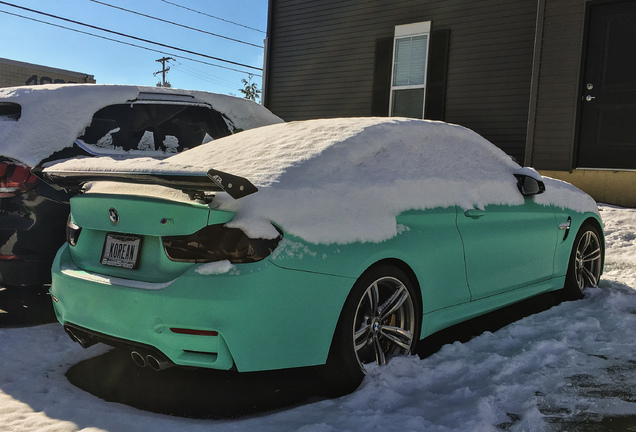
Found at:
[608, 113]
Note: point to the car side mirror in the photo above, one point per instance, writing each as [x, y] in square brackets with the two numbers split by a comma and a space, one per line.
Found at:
[529, 186]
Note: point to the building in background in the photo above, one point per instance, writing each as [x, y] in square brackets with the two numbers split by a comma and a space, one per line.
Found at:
[551, 82]
[15, 73]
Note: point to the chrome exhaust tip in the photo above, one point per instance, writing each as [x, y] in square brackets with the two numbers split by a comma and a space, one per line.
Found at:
[138, 359]
[84, 339]
[158, 363]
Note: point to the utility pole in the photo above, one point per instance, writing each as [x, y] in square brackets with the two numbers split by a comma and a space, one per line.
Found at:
[163, 71]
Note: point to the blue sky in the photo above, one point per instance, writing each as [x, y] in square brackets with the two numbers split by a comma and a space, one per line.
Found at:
[115, 63]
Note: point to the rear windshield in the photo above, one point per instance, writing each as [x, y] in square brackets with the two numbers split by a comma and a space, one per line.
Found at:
[151, 129]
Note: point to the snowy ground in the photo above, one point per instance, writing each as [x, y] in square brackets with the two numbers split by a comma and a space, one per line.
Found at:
[571, 367]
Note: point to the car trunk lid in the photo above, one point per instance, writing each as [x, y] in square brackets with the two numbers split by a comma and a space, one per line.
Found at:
[121, 234]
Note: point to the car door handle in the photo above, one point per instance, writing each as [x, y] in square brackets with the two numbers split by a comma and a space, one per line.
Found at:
[474, 213]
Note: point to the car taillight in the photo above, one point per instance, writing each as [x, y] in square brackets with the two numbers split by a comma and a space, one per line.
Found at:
[72, 232]
[15, 178]
[218, 243]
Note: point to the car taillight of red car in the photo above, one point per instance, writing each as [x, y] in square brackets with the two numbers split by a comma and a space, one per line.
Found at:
[15, 178]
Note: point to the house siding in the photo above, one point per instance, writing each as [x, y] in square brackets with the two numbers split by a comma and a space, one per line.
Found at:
[557, 99]
[322, 58]
[509, 69]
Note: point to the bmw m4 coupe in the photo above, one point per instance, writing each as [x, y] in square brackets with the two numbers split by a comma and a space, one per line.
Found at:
[338, 242]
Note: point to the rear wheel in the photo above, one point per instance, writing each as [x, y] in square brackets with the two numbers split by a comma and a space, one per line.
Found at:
[586, 261]
[380, 319]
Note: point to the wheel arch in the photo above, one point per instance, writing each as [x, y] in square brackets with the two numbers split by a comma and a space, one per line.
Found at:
[340, 370]
[406, 269]
[573, 286]
[599, 226]
[394, 262]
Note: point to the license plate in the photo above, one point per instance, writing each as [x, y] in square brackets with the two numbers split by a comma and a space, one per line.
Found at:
[121, 250]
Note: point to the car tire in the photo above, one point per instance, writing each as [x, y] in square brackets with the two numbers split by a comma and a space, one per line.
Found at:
[586, 262]
[381, 318]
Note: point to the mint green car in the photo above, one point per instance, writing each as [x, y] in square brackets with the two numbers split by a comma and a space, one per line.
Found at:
[336, 242]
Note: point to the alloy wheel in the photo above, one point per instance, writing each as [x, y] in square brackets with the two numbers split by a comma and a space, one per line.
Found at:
[384, 323]
[588, 260]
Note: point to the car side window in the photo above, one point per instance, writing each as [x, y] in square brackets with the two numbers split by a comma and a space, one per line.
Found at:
[10, 111]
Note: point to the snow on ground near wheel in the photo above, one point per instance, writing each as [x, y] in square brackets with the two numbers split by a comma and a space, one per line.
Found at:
[573, 362]
[345, 180]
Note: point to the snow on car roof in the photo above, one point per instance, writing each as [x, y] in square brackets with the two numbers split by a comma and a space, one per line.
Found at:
[344, 180]
[53, 116]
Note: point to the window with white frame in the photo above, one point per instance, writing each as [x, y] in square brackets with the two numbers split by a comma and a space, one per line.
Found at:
[408, 80]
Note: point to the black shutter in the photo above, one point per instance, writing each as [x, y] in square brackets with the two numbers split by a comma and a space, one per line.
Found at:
[436, 75]
[382, 77]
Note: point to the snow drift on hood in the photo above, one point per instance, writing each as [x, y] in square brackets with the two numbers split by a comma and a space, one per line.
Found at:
[53, 116]
[346, 180]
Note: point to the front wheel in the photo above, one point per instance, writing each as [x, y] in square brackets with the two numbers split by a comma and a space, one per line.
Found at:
[380, 319]
[586, 261]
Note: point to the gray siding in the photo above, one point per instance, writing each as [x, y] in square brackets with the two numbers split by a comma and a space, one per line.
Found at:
[322, 53]
[557, 99]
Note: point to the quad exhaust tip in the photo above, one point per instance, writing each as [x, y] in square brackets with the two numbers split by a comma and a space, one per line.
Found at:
[153, 361]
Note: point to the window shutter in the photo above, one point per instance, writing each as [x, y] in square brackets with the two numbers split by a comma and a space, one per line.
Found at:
[437, 74]
[382, 77]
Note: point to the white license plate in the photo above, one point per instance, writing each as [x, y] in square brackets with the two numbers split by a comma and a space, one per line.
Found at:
[121, 250]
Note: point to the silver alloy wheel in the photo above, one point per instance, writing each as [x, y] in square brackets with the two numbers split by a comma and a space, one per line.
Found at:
[588, 260]
[384, 323]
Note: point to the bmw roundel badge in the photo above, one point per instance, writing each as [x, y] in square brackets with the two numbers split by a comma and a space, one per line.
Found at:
[113, 215]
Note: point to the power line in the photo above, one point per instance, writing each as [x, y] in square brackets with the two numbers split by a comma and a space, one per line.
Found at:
[176, 24]
[212, 16]
[227, 87]
[131, 37]
[127, 43]
[204, 76]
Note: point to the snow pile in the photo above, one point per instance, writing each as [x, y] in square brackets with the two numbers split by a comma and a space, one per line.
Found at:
[243, 113]
[218, 267]
[560, 370]
[54, 115]
[346, 180]
[619, 265]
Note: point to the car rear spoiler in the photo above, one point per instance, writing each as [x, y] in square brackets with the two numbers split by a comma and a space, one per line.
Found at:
[195, 185]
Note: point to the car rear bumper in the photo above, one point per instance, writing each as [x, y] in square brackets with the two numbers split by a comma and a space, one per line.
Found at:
[256, 316]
